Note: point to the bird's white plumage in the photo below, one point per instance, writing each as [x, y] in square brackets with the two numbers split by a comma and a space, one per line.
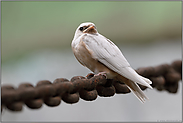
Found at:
[105, 51]
[109, 54]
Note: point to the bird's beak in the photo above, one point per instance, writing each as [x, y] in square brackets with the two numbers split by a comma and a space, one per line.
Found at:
[90, 30]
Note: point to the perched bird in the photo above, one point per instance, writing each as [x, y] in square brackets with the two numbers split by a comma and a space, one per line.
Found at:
[102, 56]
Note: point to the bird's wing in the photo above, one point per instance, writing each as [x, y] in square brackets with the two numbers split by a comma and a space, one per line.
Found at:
[109, 54]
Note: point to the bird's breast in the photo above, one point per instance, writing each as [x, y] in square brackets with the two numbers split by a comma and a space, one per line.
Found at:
[85, 57]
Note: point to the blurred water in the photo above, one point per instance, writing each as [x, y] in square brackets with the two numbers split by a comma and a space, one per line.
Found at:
[51, 64]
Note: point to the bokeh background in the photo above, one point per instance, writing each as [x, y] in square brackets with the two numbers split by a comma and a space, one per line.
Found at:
[35, 45]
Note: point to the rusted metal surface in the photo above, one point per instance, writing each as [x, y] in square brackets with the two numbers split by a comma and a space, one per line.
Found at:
[164, 77]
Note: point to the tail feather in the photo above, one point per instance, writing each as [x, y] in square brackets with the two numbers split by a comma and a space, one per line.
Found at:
[136, 90]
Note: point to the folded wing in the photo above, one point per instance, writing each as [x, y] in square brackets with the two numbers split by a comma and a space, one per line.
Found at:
[109, 54]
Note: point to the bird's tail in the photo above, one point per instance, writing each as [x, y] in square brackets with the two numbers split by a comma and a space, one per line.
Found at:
[136, 90]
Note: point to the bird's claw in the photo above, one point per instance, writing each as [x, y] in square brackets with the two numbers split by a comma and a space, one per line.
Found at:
[101, 73]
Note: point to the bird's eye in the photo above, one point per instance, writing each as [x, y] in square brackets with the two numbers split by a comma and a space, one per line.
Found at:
[81, 28]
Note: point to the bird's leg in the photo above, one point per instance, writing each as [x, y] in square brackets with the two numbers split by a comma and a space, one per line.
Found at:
[101, 73]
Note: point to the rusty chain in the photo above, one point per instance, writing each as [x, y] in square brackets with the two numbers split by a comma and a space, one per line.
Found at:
[164, 77]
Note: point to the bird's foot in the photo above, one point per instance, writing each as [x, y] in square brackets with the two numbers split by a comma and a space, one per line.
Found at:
[101, 73]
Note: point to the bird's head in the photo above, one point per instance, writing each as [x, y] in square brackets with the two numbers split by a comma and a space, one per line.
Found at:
[86, 27]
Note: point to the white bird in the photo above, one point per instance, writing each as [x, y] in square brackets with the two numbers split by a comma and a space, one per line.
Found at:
[102, 56]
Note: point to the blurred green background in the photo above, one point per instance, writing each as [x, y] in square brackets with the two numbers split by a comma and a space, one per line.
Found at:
[30, 26]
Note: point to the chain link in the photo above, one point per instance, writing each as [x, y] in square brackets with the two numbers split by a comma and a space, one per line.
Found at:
[164, 77]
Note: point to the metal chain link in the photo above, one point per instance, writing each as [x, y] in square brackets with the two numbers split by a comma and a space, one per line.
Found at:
[164, 77]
